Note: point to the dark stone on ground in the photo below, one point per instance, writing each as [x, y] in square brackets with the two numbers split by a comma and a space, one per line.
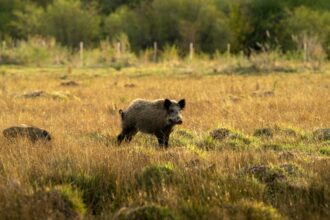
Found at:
[220, 133]
[322, 134]
[32, 133]
[129, 85]
[287, 156]
[263, 132]
[33, 94]
[69, 83]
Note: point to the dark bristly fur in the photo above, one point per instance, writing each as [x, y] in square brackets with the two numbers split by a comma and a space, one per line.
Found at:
[157, 117]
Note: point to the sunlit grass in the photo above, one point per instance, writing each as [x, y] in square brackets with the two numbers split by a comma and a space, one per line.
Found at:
[198, 177]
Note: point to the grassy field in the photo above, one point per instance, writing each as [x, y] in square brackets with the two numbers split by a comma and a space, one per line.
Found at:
[280, 172]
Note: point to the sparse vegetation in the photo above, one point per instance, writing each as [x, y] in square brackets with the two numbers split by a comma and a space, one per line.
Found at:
[255, 138]
[237, 155]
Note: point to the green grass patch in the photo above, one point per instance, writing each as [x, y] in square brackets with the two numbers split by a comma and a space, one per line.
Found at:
[325, 150]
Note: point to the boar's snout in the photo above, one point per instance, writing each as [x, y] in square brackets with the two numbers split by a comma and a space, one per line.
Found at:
[177, 120]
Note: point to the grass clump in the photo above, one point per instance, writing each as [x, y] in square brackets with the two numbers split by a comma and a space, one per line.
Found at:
[96, 190]
[221, 134]
[59, 202]
[197, 177]
[263, 132]
[279, 132]
[322, 134]
[207, 143]
[252, 210]
[271, 146]
[182, 137]
[308, 200]
[325, 150]
[271, 174]
[224, 138]
[73, 197]
[155, 176]
[146, 212]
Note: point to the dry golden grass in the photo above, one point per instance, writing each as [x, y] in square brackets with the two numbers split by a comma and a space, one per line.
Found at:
[195, 183]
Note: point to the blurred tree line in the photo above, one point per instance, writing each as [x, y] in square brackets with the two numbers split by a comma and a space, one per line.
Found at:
[212, 25]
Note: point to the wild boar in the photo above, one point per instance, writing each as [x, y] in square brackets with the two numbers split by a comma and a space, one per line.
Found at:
[157, 117]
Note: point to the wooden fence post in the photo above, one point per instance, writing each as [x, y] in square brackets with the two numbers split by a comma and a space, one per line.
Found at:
[155, 52]
[191, 51]
[228, 50]
[118, 49]
[81, 46]
[305, 49]
[3, 48]
[4, 45]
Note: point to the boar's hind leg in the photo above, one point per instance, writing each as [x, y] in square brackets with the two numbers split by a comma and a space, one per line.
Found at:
[126, 134]
[131, 134]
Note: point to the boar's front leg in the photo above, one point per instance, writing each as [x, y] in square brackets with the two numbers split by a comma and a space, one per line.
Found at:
[162, 140]
[163, 137]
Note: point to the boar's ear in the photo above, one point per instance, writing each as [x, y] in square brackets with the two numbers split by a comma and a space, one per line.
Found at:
[167, 103]
[121, 113]
[182, 103]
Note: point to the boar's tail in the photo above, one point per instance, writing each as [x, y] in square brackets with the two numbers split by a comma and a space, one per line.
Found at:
[121, 112]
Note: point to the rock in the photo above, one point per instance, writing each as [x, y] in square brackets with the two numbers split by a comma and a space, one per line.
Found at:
[263, 132]
[257, 170]
[322, 134]
[289, 132]
[147, 212]
[33, 94]
[187, 71]
[64, 77]
[291, 169]
[212, 167]
[32, 133]
[54, 95]
[262, 94]
[234, 98]
[268, 93]
[287, 156]
[216, 70]
[193, 164]
[171, 156]
[266, 173]
[130, 85]
[271, 174]
[59, 95]
[270, 146]
[223, 133]
[69, 83]
[220, 133]
[254, 94]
